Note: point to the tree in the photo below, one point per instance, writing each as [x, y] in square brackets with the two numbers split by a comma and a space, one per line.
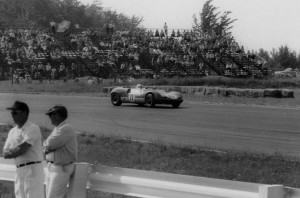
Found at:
[298, 62]
[284, 58]
[94, 15]
[264, 54]
[39, 13]
[15, 11]
[212, 21]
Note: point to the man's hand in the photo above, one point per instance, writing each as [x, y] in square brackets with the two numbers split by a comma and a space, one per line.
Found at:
[16, 151]
[46, 150]
[8, 154]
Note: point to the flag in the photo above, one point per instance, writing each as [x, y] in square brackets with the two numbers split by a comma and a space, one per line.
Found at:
[63, 26]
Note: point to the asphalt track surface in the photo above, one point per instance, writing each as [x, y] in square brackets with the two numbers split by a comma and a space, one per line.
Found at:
[246, 128]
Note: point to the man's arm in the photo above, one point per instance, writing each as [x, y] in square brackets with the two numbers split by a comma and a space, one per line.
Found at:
[46, 148]
[17, 151]
[7, 154]
[55, 141]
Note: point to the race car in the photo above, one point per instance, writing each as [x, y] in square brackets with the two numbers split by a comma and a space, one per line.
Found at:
[145, 96]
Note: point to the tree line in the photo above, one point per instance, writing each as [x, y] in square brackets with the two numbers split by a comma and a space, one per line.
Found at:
[281, 58]
[39, 13]
[211, 20]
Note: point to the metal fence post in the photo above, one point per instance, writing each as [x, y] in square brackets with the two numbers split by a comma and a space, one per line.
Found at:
[78, 182]
[271, 191]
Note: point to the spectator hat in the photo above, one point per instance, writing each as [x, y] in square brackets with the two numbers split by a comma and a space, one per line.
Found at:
[58, 109]
[19, 106]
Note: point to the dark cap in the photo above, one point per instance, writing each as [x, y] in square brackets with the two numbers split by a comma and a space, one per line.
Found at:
[59, 109]
[19, 106]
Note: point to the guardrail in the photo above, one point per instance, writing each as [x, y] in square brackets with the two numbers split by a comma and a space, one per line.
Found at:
[140, 183]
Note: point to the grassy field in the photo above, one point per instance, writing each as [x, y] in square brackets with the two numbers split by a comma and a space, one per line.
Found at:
[196, 161]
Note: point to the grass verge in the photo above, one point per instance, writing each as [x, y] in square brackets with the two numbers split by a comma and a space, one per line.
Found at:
[196, 161]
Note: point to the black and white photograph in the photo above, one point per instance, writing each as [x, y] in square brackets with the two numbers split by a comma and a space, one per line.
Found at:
[150, 98]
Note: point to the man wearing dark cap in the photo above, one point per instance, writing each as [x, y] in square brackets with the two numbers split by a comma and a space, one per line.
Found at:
[61, 153]
[24, 145]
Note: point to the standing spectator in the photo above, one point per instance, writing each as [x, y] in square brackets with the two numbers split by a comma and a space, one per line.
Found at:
[61, 153]
[34, 69]
[112, 27]
[74, 73]
[53, 73]
[67, 77]
[62, 71]
[166, 29]
[27, 78]
[48, 72]
[52, 24]
[41, 70]
[24, 145]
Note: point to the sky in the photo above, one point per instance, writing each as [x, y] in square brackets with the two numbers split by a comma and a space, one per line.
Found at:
[266, 24]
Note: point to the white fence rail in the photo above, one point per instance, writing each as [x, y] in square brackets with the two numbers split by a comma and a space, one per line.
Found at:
[149, 184]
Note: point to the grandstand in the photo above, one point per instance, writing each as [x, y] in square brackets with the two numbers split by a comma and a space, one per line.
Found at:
[124, 54]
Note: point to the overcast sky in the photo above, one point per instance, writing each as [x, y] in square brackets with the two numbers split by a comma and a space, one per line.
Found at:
[263, 24]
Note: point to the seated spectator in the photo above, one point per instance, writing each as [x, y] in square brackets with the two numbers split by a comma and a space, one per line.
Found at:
[156, 33]
[162, 34]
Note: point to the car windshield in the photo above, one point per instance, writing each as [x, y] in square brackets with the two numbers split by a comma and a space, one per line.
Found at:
[161, 91]
[137, 90]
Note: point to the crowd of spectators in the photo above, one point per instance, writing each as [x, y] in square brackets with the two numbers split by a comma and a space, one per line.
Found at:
[186, 53]
[42, 54]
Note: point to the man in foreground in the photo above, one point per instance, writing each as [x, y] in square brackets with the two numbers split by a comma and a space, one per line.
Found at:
[61, 153]
[24, 145]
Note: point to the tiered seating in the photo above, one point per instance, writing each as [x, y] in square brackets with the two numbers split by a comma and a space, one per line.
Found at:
[168, 56]
[248, 66]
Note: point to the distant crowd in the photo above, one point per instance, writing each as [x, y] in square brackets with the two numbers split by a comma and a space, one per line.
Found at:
[43, 54]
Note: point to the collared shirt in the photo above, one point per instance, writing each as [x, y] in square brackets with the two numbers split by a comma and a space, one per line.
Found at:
[62, 144]
[31, 134]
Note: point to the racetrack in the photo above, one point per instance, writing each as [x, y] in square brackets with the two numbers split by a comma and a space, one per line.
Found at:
[217, 126]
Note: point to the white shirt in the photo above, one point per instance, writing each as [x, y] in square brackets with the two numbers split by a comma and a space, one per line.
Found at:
[31, 134]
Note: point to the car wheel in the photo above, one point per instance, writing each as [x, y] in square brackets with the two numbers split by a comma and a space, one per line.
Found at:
[175, 105]
[150, 102]
[115, 99]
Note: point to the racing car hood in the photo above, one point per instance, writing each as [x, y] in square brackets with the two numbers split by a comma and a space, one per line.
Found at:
[172, 95]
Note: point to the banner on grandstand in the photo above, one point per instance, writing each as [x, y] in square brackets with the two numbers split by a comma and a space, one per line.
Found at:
[63, 26]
